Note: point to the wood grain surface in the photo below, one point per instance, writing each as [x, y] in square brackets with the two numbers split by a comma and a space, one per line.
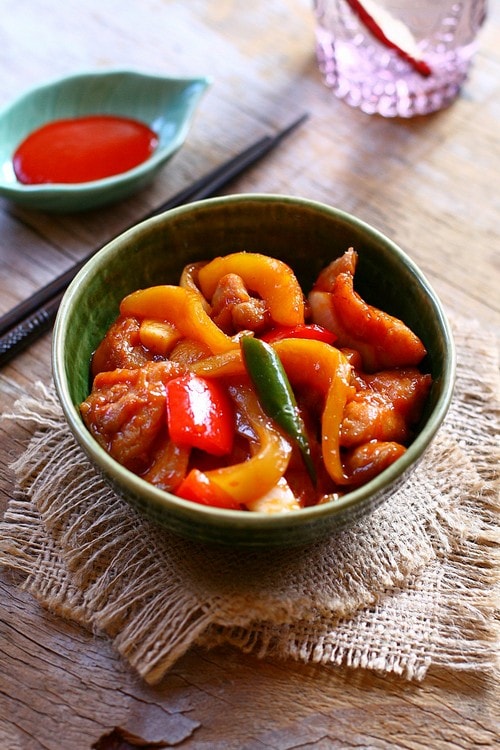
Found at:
[432, 184]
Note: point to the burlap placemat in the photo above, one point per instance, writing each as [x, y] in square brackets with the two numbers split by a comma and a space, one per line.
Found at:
[414, 585]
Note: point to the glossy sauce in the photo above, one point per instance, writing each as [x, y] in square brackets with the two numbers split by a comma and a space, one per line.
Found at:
[148, 414]
[83, 149]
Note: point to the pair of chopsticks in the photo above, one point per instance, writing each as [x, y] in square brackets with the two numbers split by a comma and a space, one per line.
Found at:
[29, 319]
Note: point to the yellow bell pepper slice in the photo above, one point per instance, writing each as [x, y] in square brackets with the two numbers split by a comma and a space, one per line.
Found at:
[312, 363]
[270, 278]
[188, 280]
[181, 307]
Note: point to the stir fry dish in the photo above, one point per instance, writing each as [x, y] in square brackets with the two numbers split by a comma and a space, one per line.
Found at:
[235, 389]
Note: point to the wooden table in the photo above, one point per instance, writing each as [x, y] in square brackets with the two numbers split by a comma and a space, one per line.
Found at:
[432, 184]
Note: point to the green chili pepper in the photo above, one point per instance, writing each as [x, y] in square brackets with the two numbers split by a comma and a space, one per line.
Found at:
[275, 394]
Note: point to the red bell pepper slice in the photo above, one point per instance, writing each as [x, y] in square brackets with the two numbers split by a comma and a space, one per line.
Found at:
[200, 414]
[303, 331]
[198, 488]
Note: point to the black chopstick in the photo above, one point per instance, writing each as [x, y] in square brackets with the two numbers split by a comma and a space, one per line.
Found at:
[29, 319]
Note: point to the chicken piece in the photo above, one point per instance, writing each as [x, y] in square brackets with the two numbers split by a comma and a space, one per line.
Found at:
[121, 347]
[159, 337]
[280, 499]
[385, 407]
[382, 340]
[126, 411]
[345, 264]
[169, 464]
[188, 351]
[366, 461]
[234, 309]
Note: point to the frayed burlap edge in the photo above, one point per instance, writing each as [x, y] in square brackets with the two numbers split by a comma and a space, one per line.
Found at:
[134, 589]
[153, 628]
[445, 616]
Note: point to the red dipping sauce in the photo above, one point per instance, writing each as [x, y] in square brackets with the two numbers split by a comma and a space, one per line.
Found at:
[83, 149]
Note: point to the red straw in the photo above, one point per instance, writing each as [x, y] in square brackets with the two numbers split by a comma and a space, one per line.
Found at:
[372, 25]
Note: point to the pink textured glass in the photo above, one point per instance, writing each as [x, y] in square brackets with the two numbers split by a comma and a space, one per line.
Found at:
[397, 58]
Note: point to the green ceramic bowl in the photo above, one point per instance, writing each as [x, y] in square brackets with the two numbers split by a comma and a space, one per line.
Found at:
[307, 235]
[167, 105]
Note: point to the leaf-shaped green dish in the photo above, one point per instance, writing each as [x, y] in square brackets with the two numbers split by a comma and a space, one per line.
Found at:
[166, 105]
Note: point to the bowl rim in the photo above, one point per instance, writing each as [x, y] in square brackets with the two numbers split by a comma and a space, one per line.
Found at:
[254, 520]
[154, 161]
